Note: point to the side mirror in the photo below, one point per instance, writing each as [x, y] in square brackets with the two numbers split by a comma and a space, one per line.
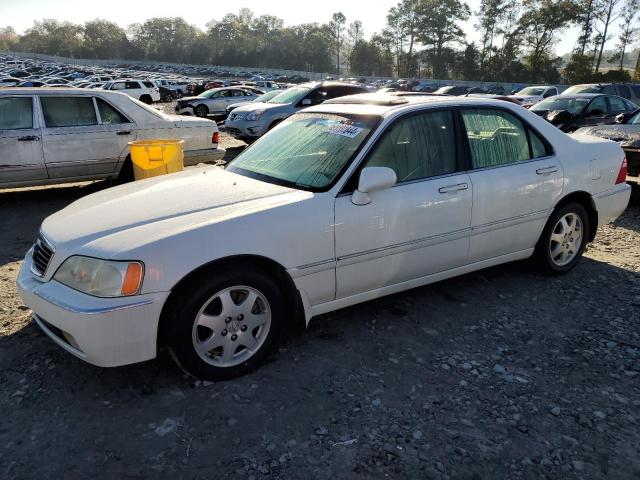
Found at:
[373, 179]
[621, 118]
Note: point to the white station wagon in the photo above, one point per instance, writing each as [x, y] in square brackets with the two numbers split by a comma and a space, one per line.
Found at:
[359, 197]
[56, 135]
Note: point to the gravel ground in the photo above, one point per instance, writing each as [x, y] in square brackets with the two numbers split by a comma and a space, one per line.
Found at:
[499, 374]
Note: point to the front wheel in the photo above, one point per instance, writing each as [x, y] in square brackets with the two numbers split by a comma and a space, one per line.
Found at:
[201, 111]
[563, 240]
[224, 327]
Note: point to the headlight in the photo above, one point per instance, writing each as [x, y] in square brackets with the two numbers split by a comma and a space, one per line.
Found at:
[253, 116]
[101, 278]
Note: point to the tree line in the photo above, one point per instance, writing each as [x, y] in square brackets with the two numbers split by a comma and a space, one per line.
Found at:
[422, 38]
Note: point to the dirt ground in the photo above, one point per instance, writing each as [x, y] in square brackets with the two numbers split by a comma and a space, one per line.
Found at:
[499, 374]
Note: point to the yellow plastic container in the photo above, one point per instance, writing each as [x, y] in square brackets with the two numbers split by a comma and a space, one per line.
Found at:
[151, 158]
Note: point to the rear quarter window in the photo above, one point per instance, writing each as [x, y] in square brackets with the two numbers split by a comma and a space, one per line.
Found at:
[16, 113]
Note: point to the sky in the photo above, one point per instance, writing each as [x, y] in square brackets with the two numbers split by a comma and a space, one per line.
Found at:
[20, 14]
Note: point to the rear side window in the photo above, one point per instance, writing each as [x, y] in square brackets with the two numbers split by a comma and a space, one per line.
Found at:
[609, 90]
[118, 86]
[617, 104]
[16, 113]
[624, 91]
[636, 91]
[495, 138]
[132, 85]
[68, 111]
[108, 114]
[418, 146]
[148, 84]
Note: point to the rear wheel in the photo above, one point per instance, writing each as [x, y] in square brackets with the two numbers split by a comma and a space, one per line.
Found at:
[168, 97]
[563, 240]
[201, 111]
[223, 327]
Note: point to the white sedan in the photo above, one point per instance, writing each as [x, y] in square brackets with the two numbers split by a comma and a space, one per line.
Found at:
[356, 198]
[56, 135]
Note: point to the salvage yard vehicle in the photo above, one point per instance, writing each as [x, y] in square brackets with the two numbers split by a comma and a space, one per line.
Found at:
[572, 111]
[143, 90]
[360, 197]
[532, 95]
[214, 101]
[56, 135]
[254, 120]
[626, 132]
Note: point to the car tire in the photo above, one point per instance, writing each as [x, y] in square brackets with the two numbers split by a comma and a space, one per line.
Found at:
[146, 99]
[168, 97]
[201, 111]
[213, 312]
[563, 240]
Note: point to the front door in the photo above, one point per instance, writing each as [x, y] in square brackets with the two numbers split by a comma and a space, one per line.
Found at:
[416, 228]
[516, 181]
[75, 143]
[21, 157]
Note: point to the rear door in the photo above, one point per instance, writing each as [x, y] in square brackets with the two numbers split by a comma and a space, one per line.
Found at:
[76, 141]
[21, 157]
[516, 181]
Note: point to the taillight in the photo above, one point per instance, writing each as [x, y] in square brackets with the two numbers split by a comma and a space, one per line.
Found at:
[215, 138]
[622, 174]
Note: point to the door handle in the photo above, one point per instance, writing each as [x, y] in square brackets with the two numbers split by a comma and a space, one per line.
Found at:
[453, 188]
[547, 170]
[28, 138]
[127, 132]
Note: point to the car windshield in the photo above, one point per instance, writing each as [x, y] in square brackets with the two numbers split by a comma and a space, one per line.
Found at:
[583, 89]
[531, 91]
[149, 109]
[291, 95]
[307, 151]
[208, 93]
[268, 96]
[571, 105]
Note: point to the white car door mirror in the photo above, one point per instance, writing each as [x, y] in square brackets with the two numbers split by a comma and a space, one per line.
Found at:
[373, 179]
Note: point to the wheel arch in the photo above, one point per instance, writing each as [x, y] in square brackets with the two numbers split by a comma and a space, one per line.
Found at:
[586, 200]
[261, 263]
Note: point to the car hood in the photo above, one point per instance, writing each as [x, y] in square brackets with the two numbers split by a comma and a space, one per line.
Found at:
[527, 98]
[626, 135]
[121, 218]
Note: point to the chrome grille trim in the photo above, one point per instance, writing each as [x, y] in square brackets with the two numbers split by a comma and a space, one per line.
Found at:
[41, 256]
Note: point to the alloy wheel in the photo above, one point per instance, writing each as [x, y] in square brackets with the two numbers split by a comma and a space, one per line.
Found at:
[566, 239]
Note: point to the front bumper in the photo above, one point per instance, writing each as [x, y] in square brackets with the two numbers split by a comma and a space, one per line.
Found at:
[244, 129]
[611, 203]
[184, 110]
[106, 332]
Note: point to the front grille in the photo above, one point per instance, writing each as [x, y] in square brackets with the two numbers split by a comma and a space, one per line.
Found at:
[236, 116]
[42, 253]
[232, 131]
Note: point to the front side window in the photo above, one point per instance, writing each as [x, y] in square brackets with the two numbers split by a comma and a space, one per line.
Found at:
[148, 84]
[118, 86]
[418, 146]
[573, 105]
[68, 111]
[133, 85]
[598, 106]
[495, 138]
[306, 151]
[624, 91]
[108, 114]
[16, 113]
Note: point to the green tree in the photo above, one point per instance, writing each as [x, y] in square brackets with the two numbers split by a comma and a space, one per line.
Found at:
[336, 27]
[103, 39]
[8, 38]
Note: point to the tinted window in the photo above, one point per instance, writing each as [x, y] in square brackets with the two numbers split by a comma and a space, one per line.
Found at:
[68, 111]
[609, 90]
[617, 104]
[132, 85]
[624, 91]
[148, 84]
[598, 104]
[418, 146]
[636, 91]
[108, 114]
[16, 113]
[538, 147]
[495, 138]
[240, 93]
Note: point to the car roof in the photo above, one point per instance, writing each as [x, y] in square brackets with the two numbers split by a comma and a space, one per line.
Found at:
[385, 103]
[51, 91]
[580, 95]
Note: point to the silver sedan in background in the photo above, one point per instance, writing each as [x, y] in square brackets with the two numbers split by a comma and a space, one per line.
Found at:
[214, 101]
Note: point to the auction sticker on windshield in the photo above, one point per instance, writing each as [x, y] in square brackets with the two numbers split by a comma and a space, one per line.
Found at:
[344, 130]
